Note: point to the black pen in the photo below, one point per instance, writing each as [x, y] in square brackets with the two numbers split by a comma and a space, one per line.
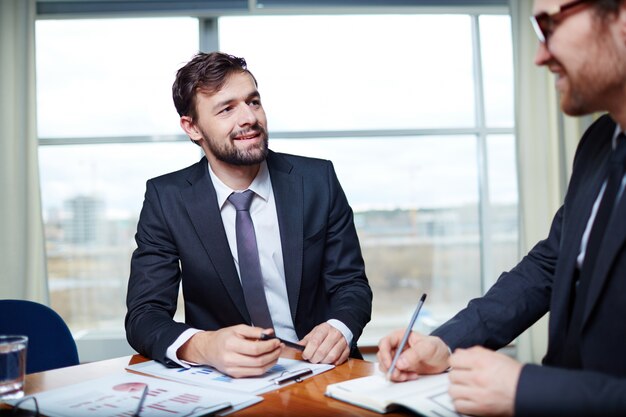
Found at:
[289, 343]
[292, 376]
[142, 399]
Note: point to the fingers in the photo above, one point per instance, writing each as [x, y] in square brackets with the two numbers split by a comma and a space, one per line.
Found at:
[235, 350]
[238, 365]
[421, 355]
[245, 340]
[469, 358]
[325, 344]
[250, 332]
[387, 349]
[343, 357]
[483, 382]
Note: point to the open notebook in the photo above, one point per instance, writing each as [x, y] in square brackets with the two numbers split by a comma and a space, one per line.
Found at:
[427, 395]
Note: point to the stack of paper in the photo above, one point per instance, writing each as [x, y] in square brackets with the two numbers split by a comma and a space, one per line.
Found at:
[191, 392]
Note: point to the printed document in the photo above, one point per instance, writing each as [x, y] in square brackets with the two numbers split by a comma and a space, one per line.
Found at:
[120, 395]
[285, 372]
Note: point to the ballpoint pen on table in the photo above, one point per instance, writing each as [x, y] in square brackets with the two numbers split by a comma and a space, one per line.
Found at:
[292, 376]
[405, 337]
[142, 399]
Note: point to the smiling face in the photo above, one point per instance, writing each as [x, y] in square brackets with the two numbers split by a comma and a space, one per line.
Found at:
[231, 126]
[587, 55]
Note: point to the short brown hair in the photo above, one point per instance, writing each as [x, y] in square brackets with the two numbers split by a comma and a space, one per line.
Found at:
[206, 72]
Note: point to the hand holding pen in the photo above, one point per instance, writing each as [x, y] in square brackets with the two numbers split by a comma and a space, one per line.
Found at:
[408, 331]
[419, 355]
[287, 343]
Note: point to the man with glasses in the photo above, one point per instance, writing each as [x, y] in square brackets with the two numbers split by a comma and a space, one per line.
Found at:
[578, 273]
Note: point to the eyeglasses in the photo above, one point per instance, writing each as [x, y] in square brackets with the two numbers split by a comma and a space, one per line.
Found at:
[544, 23]
[17, 411]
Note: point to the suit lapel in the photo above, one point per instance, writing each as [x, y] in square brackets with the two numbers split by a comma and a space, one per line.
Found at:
[584, 188]
[200, 201]
[612, 243]
[288, 194]
[571, 237]
[597, 149]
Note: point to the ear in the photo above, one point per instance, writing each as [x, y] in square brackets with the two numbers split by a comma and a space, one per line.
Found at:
[186, 122]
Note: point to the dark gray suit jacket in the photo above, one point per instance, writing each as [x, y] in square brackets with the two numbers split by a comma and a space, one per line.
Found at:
[180, 238]
[542, 282]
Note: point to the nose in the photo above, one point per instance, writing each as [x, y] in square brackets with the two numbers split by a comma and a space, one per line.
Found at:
[543, 54]
[247, 116]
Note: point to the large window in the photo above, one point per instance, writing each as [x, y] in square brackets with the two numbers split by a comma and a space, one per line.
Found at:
[415, 111]
[107, 124]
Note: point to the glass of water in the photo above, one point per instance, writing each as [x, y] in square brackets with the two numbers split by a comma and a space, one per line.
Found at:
[12, 366]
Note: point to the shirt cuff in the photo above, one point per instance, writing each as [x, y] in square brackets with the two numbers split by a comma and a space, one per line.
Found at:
[347, 334]
[170, 353]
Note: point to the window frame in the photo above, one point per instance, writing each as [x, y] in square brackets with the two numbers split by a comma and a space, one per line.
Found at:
[209, 40]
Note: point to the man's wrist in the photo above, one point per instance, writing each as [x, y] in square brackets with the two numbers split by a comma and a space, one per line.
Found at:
[172, 351]
[343, 329]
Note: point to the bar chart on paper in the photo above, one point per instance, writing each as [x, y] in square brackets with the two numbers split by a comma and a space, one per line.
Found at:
[119, 395]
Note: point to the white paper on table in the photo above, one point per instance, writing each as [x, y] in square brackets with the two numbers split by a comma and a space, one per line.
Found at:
[119, 395]
[207, 376]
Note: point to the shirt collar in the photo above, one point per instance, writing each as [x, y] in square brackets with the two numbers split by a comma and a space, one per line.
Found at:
[261, 185]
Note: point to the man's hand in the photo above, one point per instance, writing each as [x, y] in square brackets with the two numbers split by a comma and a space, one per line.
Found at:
[483, 382]
[421, 355]
[234, 350]
[325, 344]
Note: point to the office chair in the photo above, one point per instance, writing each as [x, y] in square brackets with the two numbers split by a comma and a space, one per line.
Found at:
[50, 343]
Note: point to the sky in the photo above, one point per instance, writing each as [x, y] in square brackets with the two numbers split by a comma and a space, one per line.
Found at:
[107, 78]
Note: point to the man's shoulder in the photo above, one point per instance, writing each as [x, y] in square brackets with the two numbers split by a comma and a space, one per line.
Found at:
[298, 162]
[593, 148]
[179, 176]
[602, 128]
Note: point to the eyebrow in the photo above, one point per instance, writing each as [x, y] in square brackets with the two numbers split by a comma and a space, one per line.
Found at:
[253, 94]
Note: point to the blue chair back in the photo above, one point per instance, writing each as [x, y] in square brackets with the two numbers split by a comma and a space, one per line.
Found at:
[50, 343]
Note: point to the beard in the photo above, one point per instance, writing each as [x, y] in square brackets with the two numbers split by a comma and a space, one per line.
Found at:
[228, 152]
[593, 86]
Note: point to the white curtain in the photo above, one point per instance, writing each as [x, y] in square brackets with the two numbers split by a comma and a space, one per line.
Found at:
[22, 253]
[546, 141]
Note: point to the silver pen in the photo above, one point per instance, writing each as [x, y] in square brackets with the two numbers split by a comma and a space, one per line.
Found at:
[406, 336]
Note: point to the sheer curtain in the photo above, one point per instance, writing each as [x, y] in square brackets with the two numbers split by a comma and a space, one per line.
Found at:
[22, 253]
[546, 141]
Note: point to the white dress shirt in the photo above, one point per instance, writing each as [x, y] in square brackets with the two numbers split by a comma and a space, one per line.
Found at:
[265, 220]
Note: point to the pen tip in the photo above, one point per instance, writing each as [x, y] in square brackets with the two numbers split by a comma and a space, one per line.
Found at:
[423, 297]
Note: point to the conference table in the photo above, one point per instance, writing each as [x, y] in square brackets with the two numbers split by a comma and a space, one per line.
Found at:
[304, 398]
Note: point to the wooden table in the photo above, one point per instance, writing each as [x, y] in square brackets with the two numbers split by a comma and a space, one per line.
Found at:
[305, 399]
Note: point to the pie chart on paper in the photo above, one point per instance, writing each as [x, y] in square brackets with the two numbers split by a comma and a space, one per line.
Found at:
[130, 387]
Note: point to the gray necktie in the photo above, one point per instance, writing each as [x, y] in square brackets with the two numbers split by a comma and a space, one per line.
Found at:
[249, 265]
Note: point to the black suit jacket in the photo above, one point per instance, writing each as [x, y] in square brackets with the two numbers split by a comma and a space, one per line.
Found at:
[180, 238]
[542, 282]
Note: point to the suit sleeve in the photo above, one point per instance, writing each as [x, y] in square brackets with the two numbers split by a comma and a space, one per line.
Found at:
[350, 296]
[153, 283]
[548, 391]
[518, 299]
